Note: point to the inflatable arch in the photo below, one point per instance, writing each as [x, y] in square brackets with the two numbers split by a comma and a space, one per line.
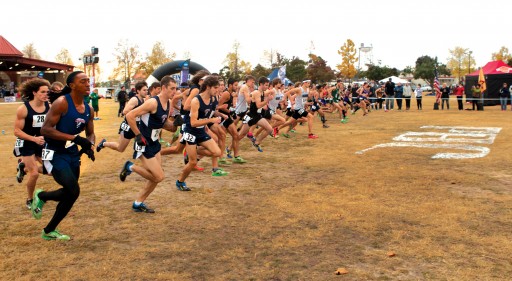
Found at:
[177, 66]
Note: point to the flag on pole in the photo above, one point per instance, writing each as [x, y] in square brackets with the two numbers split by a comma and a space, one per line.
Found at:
[436, 86]
[481, 80]
[281, 73]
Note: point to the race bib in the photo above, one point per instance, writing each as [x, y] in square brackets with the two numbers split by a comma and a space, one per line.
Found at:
[313, 107]
[138, 148]
[47, 154]
[272, 112]
[259, 110]
[304, 100]
[155, 134]
[125, 127]
[301, 111]
[37, 121]
[19, 143]
[189, 137]
[247, 118]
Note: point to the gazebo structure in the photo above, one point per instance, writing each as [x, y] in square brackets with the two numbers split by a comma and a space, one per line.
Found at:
[12, 63]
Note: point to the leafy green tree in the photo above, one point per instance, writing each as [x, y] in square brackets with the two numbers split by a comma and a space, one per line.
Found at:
[260, 70]
[296, 69]
[348, 59]
[425, 69]
[377, 72]
[318, 70]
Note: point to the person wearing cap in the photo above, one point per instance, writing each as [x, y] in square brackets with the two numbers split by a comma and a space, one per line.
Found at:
[68, 116]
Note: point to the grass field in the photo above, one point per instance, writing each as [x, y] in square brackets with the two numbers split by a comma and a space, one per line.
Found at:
[300, 210]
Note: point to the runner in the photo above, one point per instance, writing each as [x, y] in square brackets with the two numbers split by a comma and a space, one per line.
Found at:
[226, 102]
[255, 114]
[68, 116]
[154, 115]
[27, 129]
[194, 132]
[299, 96]
[125, 131]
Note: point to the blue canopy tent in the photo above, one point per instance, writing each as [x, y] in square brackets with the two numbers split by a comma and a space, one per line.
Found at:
[280, 73]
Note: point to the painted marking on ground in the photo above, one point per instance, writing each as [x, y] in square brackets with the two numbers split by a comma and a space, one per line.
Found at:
[447, 137]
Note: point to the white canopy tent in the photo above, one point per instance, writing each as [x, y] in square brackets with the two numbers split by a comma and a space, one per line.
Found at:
[394, 79]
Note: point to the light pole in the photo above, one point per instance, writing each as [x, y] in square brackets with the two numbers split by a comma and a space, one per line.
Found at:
[469, 61]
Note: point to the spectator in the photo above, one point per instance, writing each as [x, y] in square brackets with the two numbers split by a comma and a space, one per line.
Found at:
[476, 95]
[390, 94]
[504, 93]
[459, 93]
[407, 96]
[121, 98]
[419, 96]
[445, 97]
[399, 91]
[95, 104]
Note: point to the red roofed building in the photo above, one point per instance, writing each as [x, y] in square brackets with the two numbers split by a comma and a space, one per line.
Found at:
[12, 63]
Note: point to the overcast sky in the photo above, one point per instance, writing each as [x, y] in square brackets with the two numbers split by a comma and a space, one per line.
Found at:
[399, 31]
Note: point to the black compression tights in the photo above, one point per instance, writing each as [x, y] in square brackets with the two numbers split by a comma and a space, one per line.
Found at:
[66, 196]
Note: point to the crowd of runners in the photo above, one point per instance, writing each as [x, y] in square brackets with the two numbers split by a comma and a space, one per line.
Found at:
[200, 114]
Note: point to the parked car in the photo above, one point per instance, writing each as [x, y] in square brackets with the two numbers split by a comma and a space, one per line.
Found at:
[426, 88]
[106, 92]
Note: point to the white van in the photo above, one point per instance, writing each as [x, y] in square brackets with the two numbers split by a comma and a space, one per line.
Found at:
[106, 92]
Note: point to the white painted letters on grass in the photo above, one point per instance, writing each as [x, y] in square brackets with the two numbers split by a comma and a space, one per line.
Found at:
[468, 140]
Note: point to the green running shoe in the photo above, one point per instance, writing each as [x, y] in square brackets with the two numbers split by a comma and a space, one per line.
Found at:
[224, 161]
[219, 173]
[54, 235]
[239, 160]
[292, 131]
[285, 135]
[37, 205]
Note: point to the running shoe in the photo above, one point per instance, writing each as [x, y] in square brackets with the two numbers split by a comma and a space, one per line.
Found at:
[285, 135]
[126, 170]
[224, 161]
[228, 153]
[54, 235]
[251, 137]
[20, 171]
[141, 208]
[292, 131]
[257, 147]
[37, 205]
[101, 145]
[28, 203]
[312, 136]
[344, 121]
[325, 126]
[199, 169]
[219, 173]
[182, 186]
[239, 160]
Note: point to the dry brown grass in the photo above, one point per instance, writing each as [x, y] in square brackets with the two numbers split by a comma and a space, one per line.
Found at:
[298, 211]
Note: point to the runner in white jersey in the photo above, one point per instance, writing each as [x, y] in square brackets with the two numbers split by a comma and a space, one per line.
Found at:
[299, 97]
